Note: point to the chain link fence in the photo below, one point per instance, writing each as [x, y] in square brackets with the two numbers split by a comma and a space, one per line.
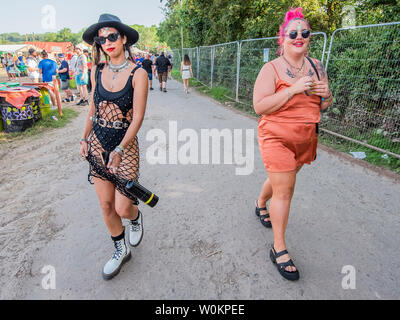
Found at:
[363, 65]
[364, 71]
[225, 67]
[205, 65]
[176, 58]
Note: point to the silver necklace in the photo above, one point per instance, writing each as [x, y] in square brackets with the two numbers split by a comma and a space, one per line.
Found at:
[116, 69]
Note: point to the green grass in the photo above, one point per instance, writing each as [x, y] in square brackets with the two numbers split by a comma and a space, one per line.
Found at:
[45, 124]
[192, 82]
[373, 157]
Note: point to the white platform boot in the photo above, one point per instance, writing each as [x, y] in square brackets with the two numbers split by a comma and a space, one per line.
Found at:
[136, 230]
[121, 255]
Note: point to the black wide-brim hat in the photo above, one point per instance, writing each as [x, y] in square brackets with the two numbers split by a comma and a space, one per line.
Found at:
[109, 20]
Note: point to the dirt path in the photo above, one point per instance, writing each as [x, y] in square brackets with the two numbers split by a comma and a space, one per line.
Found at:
[202, 241]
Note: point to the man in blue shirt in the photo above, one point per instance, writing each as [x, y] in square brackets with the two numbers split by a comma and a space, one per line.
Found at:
[48, 69]
[63, 72]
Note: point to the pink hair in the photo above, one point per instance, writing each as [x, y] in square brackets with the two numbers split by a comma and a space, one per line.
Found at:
[292, 14]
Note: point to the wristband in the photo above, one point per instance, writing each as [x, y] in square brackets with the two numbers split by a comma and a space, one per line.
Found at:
[84, 140]
[120, 150]
[330, 96]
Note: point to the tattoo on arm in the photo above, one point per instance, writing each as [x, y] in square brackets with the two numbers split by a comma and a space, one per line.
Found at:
[290, 74]
[310, 73]
[322, 69]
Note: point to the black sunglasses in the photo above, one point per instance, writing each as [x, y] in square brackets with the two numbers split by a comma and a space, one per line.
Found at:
[111, 37]
[305, 34]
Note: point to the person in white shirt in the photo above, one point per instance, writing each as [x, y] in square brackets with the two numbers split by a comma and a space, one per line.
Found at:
[73, 62]
[33, 63]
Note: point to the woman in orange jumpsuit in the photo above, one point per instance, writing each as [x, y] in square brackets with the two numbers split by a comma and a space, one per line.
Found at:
[289, 94]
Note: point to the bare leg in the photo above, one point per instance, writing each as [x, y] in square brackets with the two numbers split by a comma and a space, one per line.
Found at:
[124, 207]
[52, 97]
[106, 193]
[85, 94]
[265, 195]
[283, 184]
[80, 91]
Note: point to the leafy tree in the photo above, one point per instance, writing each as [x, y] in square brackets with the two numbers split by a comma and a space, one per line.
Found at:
[207, 22]
[64, 35]
[148, 37]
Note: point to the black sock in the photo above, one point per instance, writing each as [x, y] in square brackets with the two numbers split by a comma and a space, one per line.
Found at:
[120, 237]
[136, 217]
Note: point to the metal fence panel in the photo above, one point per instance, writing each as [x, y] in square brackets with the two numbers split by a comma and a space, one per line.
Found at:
[363, 66]
[205, 65]
[252, 60]
[225, 68]
[364, 72]
[176, 59]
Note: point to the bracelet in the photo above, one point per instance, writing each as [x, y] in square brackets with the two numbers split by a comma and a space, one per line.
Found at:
[330, 96]
[289, 94]
[120, 150]
[84, 140]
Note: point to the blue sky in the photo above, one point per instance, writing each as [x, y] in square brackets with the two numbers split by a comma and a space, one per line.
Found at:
[25, 16]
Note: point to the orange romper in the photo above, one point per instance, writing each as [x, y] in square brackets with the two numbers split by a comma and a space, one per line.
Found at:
[288, 137]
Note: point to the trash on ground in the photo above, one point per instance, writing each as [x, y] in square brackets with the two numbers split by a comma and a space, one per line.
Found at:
[359, 155]
[54, 118]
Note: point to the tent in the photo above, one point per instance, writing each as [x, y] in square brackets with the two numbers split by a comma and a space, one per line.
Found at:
[51, 47]
[16, 48]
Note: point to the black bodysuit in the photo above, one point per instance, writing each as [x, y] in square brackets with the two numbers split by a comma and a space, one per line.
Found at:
[113, 106]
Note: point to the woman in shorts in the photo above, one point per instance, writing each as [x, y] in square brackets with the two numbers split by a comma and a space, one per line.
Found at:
[186, 72]
[289, 94]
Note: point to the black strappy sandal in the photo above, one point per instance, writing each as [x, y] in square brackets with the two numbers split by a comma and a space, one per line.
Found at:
[266, 224]
[289, 275]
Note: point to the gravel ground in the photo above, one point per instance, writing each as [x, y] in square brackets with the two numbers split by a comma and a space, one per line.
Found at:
[202, 240]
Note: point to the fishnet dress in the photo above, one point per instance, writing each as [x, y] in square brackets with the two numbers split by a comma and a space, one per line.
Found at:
[113, 106]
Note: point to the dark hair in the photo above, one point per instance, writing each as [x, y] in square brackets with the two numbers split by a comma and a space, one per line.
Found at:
[186, 60]
[97, 51]
[44, 54]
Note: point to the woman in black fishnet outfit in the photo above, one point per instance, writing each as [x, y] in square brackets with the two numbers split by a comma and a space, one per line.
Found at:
[109, 142]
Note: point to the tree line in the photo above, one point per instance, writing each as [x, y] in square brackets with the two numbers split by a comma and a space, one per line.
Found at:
[207, 22]
[148, 37]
